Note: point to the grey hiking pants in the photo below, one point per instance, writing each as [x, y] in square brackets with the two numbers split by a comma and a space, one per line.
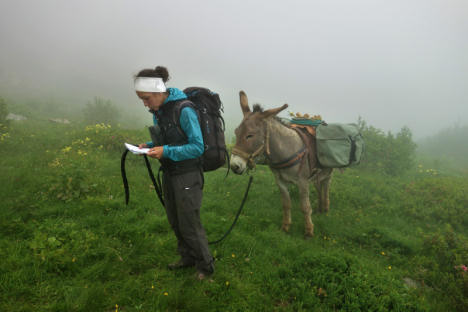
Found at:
[182, 198]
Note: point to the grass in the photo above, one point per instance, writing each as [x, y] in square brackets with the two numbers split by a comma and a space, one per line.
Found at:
[69, 243]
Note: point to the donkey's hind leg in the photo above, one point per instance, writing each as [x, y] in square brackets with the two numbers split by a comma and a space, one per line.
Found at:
[305, 207]
[286, 200]
[318, 187]
[324, 185]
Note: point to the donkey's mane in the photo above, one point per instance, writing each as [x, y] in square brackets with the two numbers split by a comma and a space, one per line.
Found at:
[257, 108]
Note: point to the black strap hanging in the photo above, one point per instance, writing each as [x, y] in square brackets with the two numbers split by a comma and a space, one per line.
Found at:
[157, 186]
[124, 175]
[237, 215]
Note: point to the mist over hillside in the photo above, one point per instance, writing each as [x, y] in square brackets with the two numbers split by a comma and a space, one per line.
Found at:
[395, 63]
[447, 148]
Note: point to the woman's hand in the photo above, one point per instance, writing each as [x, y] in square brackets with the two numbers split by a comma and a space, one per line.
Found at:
[156, 152]
[142, 145]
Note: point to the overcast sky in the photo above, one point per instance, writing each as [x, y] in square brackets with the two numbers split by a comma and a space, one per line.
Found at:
[395, 62]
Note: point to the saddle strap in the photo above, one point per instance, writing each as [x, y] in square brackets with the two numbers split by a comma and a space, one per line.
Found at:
[306, 139]
[291, 161]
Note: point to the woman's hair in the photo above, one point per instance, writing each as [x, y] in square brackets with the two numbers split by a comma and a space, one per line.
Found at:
[158, 72]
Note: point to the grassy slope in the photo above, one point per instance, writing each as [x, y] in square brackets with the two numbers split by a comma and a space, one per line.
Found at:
[90, 252]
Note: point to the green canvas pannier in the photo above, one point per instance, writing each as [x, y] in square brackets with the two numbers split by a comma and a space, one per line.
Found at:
[339, 145]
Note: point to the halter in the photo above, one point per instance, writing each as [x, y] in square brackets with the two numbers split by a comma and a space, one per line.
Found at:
[249, 158]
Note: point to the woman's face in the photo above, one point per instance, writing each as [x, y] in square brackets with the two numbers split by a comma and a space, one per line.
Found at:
[152, 100]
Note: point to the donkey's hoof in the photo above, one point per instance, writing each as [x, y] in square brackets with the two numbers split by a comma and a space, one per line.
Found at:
[308, 235]
[285, 228]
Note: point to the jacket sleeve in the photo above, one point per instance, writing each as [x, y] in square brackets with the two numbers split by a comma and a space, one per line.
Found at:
[194, 148]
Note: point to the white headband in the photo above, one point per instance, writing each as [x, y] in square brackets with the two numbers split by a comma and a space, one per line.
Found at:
[149, 84]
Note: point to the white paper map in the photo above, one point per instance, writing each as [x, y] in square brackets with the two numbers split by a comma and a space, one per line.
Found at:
[136, 150]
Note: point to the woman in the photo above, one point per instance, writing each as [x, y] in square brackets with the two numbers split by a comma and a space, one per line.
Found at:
[179, 146]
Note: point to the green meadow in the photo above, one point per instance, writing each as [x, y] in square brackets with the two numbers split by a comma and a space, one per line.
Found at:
[68, 242]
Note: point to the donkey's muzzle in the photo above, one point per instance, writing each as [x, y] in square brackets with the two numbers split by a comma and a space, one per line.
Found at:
[238, 165]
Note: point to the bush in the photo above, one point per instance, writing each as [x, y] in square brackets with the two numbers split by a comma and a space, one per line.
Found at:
[438, 198]
[387, 153]
[71, 177]
[3, 111]
[442, 266]
[4, 124]
[105, 137]
[101, 111]
[73, 170]
[448, 147]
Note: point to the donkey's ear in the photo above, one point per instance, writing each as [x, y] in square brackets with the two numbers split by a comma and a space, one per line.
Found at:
[273, 111]
[244, 102]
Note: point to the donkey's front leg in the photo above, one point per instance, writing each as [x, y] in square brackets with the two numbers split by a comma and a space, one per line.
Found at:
[286, 200]
[305, 207]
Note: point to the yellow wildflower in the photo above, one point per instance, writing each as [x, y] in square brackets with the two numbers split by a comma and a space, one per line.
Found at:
[382, 253]
[233, 255]
[389, 267]
[55, 163]
[66, 149]
[166, 293]
[227, 283]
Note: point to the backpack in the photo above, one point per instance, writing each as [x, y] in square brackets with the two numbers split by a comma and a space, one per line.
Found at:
[208, 106]
[339, 145]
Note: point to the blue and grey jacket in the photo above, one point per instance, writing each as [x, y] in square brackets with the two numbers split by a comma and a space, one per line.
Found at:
[188, 121]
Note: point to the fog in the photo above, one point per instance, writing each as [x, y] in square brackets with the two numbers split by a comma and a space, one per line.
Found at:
[394, 63]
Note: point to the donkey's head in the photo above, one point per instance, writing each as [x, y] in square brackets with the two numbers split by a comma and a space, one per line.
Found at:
[250, 135]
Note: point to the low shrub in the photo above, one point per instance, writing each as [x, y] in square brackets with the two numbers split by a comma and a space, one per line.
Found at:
[101, 111]
[4, 124]
[442, 265]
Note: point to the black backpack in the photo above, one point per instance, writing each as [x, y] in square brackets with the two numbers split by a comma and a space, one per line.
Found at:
[209, 107]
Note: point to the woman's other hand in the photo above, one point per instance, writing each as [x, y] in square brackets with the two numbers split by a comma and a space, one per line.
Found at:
[156, 152]
[142, 145]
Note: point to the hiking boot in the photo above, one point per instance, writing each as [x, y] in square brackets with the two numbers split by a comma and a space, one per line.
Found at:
[180, 265]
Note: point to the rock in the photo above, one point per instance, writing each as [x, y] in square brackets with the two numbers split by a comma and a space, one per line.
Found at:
[11, 116]
[410, 283]
[60, 120]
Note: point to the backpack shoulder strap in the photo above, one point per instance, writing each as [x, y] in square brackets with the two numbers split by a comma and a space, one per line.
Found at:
[178, 110]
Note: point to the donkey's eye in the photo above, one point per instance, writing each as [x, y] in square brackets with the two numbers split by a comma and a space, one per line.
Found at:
[249, 136]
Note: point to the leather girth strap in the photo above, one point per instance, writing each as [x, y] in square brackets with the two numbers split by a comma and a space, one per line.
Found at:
[291, 161]
[305, 154]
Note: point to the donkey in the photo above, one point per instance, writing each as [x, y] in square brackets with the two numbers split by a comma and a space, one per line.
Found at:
[261, 132]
